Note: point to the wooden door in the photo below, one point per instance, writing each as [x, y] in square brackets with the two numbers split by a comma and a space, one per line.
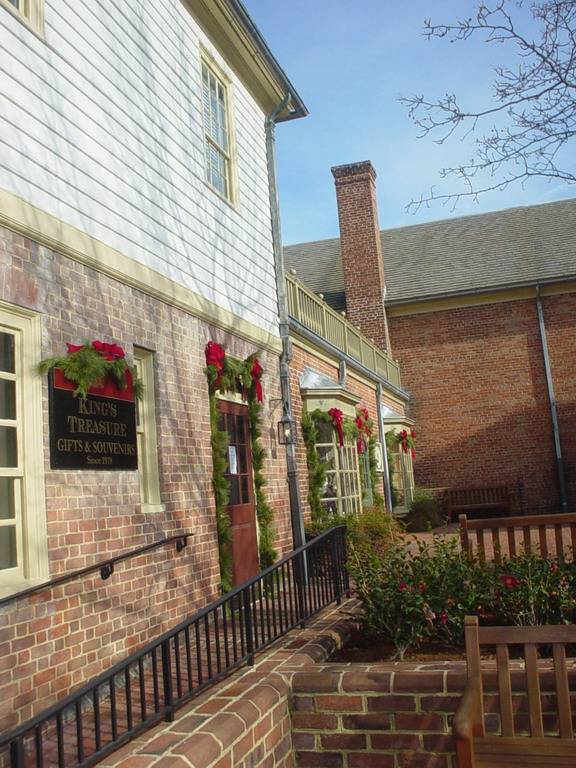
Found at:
[242, 507]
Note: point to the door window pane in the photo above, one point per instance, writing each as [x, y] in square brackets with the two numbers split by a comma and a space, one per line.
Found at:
[8, 554]
[234, 491]
[7, 399]
[7, 353]
[7, 504]
[8, 452]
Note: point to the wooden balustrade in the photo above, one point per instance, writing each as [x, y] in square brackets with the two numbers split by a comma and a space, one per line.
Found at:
[313, 313]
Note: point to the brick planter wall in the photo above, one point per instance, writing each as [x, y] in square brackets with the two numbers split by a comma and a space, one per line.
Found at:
[376, 716]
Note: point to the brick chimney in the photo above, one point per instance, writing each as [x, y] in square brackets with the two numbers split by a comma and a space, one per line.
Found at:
[361, 250]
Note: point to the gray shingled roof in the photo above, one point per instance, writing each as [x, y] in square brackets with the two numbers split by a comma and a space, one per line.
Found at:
[466, 254]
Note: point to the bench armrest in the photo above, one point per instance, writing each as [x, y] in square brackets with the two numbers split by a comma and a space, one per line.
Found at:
[467, 712]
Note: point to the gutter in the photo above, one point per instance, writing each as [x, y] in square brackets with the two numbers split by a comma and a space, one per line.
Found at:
[298, 535]
[296, 107]
[480, 291]
[327, 346]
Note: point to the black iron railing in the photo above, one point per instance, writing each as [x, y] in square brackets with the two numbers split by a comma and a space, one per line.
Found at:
[151, 684]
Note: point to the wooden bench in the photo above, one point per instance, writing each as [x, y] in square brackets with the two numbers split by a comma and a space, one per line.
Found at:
[506, 736]
[495, 497]
[547, 534]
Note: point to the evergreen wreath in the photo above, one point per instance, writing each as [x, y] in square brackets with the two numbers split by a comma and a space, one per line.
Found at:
[356, 429]
[88, 364]
[405, 440]
[227, 374]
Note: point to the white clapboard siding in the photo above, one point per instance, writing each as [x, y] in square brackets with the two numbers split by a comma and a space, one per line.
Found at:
[101, 126]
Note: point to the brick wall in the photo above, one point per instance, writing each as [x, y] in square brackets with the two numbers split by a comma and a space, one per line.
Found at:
[56, 639]
[378, 716]
[250, 731]
[478, 394]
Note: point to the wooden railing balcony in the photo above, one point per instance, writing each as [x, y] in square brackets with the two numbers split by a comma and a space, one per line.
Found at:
[313, 313]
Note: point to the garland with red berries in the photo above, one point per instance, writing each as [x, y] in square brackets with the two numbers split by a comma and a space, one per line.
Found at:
[227, 374]
[405, 440]
[89, 364]
[359, 429]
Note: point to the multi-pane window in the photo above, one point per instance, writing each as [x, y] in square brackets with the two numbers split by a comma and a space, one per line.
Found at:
[11, 473]
[342, 492]
[401, 474]
[146, 432]
[216, 132]
[31, 11]
[23, 543]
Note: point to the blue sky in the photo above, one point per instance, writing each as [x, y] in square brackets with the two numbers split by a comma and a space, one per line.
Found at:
[350, 60]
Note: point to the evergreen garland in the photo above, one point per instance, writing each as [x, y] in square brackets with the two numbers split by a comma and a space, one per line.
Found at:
[317, 469]
[264, 512]
[391, 442]
[221, 488]
[377, 498]
[88, 364]
[227, 374]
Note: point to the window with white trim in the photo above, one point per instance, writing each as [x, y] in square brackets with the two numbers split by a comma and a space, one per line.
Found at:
[342, 492]
[31, 11]
[146, 433]
[216, 131]
[23, 539]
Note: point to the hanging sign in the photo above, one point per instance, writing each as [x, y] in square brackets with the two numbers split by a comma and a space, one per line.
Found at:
[98, 432]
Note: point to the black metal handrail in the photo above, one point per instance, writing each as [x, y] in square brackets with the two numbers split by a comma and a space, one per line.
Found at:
[106, 567]
[151, 684]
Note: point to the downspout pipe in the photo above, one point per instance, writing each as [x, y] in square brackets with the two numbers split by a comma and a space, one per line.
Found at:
[298, 536]
[553, 410]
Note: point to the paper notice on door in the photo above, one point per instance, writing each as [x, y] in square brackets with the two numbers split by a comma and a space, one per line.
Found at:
[232, 460]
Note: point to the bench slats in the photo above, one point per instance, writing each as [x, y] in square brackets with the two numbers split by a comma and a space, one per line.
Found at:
[533, 685]
[511, 542]
[562, 692]
[503, 535]
[505, 690]
[551, 741]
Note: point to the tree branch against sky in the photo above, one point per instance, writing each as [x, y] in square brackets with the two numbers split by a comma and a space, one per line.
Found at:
[524, 131]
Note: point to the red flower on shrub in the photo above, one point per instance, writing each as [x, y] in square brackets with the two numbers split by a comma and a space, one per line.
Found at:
[509, 581]
[402, 586]
[444, 618]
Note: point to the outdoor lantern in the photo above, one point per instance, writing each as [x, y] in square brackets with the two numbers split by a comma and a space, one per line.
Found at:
[287, 433]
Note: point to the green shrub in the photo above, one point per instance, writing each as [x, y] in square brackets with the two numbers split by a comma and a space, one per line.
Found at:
[530, 589]
[413, 591]
[372, 528]
[424, 512]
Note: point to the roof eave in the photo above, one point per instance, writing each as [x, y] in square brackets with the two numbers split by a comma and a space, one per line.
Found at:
[229, 25]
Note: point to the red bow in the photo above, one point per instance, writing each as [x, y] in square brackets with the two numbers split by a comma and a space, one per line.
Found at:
[215, 355]
[256, 373]
[362, 426]
[108, 351]
[337, 419]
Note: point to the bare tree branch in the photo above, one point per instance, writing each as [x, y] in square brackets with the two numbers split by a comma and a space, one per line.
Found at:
[536, 101]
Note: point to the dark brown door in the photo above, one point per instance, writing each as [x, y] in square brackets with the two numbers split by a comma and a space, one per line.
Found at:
[242, 508]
